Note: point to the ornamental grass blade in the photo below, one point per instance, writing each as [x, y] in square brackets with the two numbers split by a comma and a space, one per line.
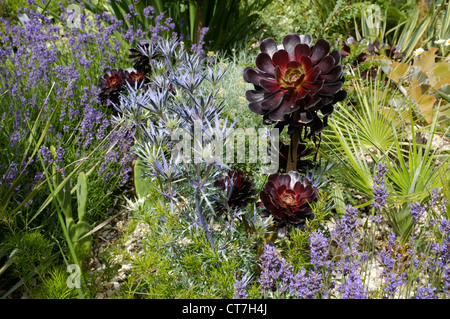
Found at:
[32, 137]
[80, 162]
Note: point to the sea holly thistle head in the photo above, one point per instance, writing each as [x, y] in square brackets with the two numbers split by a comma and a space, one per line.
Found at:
[294, 83]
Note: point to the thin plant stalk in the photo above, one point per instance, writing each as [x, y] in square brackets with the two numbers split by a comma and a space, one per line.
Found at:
[62, 223]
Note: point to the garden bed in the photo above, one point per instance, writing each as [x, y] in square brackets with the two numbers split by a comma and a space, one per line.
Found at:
[294, 150]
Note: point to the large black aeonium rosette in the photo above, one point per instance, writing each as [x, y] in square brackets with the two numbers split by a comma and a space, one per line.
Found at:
[293, 83]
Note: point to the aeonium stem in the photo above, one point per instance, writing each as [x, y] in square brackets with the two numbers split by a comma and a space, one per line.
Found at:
[293, 149]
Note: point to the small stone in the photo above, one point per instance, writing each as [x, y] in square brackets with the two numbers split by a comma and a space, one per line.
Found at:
[125, 267]
[116, 285]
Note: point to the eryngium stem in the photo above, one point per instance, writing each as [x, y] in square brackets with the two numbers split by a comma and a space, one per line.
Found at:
[202, 220]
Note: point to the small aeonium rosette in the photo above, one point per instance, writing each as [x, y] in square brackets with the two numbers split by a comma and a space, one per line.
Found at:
[288, 198]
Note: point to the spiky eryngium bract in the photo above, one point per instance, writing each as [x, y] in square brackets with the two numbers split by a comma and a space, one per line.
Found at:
[179, 114]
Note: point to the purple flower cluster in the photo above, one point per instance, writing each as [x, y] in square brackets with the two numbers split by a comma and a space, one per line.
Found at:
[434, 196]
[353, 286]
[426, 292]
[199, 47]
[380, 192]
[417, 211]
[276, 273]
[446, 279]
[435, 199]
[306, 285]
[345, 227]
[240, 288]
[65, 61]
[344, 234]
[319, 250]
[388, 257]
[444, 247]
[46, 154]
[277, 276]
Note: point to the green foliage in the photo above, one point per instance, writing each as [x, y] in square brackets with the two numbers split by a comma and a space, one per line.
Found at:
[378, 123]
[373, 131]
[141, 183]
[321, 19]
[229, 22]
[54, 285]
[77, 228]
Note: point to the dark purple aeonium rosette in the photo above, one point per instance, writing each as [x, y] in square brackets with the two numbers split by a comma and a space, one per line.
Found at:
[140, 58]
[292, 84]
[239, 190]
[287, 197]
[111, 83]
[135, 77]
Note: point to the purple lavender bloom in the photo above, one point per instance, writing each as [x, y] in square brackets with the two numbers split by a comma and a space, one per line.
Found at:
[353, 286]
[240, 288]
[446, 278]
[305, 285]
[46, 154]
[149, 12]
[315, 284]
[380, 173]
[444, 205]
[443, 250]
[417, 211]
[10, 175]
[273, 270]
[391, 240]
[386, 258]
[426, 292]
[380, 192]
[38, 178]
[60, 152]
[392, 282]
[444, 226]
[15, 137]
[436, 200]
[198, 47]
[376, 219]
[351, 218]
[434, 196]
[345, 227]
[319, 249]
[299, 284]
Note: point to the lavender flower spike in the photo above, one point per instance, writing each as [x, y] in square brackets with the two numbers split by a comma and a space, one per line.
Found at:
[417, 211]
[380, 192]
[319, 249]
[276, 273]
[239, 288]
